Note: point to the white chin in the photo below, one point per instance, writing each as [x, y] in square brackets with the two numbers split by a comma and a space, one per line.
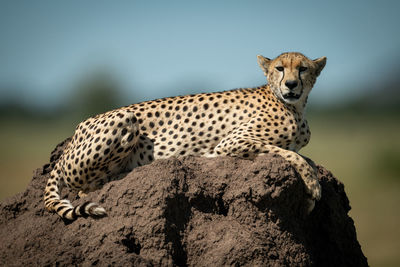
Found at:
[291, 100]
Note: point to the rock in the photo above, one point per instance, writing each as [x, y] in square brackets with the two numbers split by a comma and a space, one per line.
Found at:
[187, 212]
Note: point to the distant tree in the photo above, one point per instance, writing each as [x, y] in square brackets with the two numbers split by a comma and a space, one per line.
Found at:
[95, 93]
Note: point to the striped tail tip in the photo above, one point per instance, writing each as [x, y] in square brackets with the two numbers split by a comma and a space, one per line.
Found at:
[95, 210]
[69, 213]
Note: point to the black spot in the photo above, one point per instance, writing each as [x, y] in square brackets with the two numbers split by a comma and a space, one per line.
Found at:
[130, 137]
[124, 131]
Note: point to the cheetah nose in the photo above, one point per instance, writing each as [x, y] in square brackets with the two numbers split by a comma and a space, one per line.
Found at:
[291, 84]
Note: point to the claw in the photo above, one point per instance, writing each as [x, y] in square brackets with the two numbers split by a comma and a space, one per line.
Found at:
[81, 194]
[310, 205]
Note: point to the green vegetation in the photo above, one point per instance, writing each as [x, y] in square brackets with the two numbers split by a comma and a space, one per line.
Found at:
[360, 150]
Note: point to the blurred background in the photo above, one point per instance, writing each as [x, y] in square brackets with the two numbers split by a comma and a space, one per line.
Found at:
[61, 62]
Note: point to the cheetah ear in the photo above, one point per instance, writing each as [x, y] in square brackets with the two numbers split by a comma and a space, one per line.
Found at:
[264, 63]
[320, 64]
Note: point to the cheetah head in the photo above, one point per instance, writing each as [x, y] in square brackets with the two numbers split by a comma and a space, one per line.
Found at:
[292, 75]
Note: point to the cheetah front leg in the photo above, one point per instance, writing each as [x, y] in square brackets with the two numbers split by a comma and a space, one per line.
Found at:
[245, 147]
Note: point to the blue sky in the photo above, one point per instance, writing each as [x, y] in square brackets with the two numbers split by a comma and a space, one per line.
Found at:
[164, 48]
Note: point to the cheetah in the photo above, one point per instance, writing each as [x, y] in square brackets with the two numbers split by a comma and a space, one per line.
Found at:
[240, 123]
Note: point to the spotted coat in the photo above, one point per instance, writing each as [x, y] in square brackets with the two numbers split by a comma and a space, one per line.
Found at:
[240, 122]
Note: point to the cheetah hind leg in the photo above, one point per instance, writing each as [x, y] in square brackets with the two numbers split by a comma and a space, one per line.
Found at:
[63, 207]
[118, 140]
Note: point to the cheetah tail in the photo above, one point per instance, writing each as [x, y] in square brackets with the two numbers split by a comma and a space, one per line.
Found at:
[63, 207]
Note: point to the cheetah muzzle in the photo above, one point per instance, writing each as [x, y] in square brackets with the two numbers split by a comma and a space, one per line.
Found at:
[239, 123]
[291, 96]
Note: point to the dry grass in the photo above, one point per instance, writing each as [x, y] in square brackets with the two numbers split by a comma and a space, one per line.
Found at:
[360, 152]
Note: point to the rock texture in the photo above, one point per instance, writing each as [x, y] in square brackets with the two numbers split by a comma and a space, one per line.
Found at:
[187, 212]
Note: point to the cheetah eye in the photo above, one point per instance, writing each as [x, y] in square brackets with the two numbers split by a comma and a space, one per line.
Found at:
[301, 69]
[279, 68]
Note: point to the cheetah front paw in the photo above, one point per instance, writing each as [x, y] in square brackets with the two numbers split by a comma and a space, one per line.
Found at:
[313, 188]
